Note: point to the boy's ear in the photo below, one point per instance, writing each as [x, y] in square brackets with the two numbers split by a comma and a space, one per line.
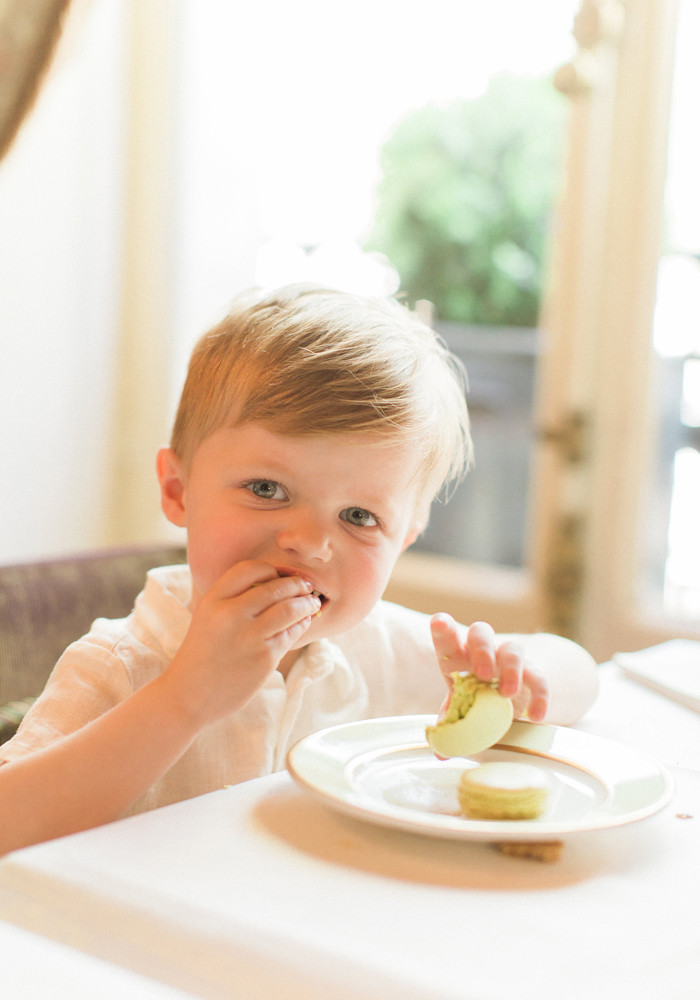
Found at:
[172, 486]
[414, 531]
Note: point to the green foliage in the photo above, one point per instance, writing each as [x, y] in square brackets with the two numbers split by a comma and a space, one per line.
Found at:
[465, 201]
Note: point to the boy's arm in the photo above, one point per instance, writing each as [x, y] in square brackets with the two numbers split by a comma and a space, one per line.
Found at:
[91, 776]
[237, 637]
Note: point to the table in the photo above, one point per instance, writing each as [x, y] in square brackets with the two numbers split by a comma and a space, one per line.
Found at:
[260, 891]
[33, 966]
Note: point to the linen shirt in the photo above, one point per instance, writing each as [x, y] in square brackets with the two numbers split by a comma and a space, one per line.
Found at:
[384, 666]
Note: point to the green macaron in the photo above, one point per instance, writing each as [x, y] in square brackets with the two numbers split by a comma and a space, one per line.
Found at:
[503, 790]
[477, 717]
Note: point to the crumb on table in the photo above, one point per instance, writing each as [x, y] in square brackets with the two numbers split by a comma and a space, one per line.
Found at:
[538, 850]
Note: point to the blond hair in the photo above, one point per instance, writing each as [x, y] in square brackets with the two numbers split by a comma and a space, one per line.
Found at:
[309, 360]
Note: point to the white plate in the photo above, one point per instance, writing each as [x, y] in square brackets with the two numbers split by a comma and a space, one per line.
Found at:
[383, 771]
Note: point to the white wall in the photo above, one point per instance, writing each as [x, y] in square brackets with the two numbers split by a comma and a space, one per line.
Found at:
[60, 242]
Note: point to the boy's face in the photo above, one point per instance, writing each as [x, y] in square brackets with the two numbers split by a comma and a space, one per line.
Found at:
[334, 509]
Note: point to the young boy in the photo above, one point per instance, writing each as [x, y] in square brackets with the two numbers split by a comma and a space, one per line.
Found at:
[313, 431]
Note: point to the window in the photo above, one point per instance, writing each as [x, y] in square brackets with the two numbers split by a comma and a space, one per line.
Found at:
[673, 525]
[282, 159]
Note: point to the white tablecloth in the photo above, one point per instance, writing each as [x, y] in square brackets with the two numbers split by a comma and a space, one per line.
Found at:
[261, 891]
[33, 967]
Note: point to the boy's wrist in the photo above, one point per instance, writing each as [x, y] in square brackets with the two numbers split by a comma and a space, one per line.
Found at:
[177, 704]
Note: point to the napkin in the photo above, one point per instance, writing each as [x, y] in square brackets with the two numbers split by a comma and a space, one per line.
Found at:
[671, 669]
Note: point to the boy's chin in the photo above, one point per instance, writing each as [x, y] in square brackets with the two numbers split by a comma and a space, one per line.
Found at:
[332, 621]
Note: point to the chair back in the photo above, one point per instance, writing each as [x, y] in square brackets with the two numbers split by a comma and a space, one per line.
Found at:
[44, 606]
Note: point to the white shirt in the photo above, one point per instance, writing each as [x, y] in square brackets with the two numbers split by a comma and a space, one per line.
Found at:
[383, 666]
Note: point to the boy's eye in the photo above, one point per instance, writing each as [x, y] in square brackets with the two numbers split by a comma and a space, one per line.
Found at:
[358, 516]
[268, 489]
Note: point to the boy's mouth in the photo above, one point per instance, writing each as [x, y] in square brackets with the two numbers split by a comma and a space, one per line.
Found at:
[315, 593]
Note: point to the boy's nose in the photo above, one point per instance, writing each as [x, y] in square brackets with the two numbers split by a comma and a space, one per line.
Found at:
[305, 536]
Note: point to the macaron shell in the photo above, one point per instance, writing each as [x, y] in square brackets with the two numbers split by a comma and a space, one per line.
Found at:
[489, 718]
[502, 790]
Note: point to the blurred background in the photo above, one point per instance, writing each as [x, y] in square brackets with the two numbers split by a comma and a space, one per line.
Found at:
[523, 172]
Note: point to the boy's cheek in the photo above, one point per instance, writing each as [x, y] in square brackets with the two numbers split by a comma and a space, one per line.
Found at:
[343, 613]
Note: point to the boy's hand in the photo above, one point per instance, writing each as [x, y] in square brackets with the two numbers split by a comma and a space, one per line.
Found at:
[474, 650]
[240, 630]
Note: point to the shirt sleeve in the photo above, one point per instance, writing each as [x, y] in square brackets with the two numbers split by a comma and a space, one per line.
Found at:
[393, 650]
[88, 680]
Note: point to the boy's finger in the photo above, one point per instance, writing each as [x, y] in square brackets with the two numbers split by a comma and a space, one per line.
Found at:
[481, 645]
[445, 636]
[539, 694]
[509, 667]
[282, 590]
[261, 584]
[287, 616]
[242, 576]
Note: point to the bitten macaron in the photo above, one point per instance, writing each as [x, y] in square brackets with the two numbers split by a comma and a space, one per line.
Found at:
[476, 717]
